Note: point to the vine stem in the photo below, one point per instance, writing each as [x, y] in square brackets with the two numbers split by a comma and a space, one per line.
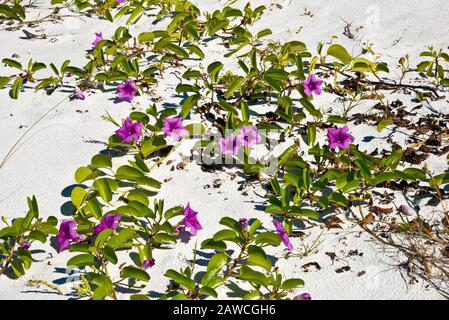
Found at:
[14, 148]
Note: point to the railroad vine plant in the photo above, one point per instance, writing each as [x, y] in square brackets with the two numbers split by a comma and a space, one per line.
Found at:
[118, 223]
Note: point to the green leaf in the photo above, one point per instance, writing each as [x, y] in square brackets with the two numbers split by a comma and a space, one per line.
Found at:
[109, 254]
[102, 237]
[128, 173]
[383, 124]
[82, 260]
[233, 86]
[104, 189]
[382, 177]
[78, 196]
[12, 63]
[291, 284]
[225, 234]
[135, 15]
[215, 265]
[209, 292]
[213, 245]
[135, 273]
[152, 145]
[16, 86]
[101, 161]
[164, 238]
[258, 257]
[231, 223]
[176, 49]
[18, 268]
[336, 119]
[181, 279]
[37, 235]
[188, 104]
[269, 238]
[82, 174]
[339, 52]
[4, 81]
[310, 108]
[145, 37]
[196, 50]
[248, 274]
[213, 69]
[264, 33]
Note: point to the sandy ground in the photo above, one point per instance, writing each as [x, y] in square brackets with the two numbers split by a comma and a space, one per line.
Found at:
[66, 139]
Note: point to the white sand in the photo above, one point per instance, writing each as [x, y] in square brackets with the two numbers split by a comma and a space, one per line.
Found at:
[64, 140]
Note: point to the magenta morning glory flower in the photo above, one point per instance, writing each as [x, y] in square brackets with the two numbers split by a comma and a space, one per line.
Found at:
[173, 128]
[190, 220]
[67, 233]
[148, 263]
[243, 223]
[229, 145]
[248, 136]
[130, 131]
[303, 296]
[283, 234]
[340, 138]
[79, 94]
[312, 85]
[127, 90]
[98, 38]
[404, 209]
[110, 221]
[25, 245]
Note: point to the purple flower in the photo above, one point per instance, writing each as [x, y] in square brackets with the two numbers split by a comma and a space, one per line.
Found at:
[173, 128]
[110, 221]
[229, 145]
[127, 90]
[404, 209]
[25, 245]
[303, 296]
[248, 136]
[79, 94]
[121, 1]
[283, 234]
[340, 138]
[190, 220]
[243, 222]
[98, 38]
[312, 85]
[130, 131]
[148, 263]
[67, 233]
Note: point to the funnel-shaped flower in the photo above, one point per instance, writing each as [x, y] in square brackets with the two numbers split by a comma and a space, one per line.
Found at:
[404, 209]
[312, 85]
[98, 38]
[283, 234]
[67, 233]
[340, 138]
[110, 221]
[243, 223]
[173, 128]
[229, 145]
[127, 90]
[130, 131]
[25, 245]
[148, 263]
[303, 296]
[248, 136]
[79, 94]
[191, 221]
